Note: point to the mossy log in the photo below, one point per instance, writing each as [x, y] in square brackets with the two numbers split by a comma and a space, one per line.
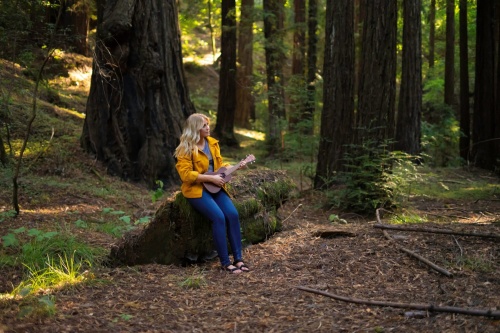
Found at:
[178, 234]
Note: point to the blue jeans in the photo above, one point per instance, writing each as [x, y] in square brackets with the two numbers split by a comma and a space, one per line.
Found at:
[220, 210]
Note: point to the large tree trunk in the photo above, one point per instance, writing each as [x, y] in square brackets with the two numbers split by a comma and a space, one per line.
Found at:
[224, 129]
[464, 84]
[297, 100]
[312, 57]
[245, 103]
[337, 118]
[275, 58]
[410, 96]
[178, 234]
[432, 32]
[486, 128]
[449, 71]
[377, 86]
[138, 97]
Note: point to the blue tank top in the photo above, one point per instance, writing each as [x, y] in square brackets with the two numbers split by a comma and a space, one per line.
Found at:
[207, 152]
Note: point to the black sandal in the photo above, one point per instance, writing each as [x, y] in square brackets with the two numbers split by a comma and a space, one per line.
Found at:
[231, 270]
[240, 267]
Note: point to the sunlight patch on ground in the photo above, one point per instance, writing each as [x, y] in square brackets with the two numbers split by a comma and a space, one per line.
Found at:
[206, 60]
[258, 136]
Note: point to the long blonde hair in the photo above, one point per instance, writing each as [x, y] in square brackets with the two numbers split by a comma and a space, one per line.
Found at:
[191, 135]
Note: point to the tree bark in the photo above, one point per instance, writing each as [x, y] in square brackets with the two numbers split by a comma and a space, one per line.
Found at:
[485, 132]
[297, 101]
[449, 71]
[275, 57]
[224, 128]
[464, 84]
[377, 86]
[410, 96]
[312, 58]
[245, 102]
[432, 32]
[337, 118]
[138, 97]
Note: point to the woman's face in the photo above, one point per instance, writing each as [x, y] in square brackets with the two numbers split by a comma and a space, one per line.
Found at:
[205, 130]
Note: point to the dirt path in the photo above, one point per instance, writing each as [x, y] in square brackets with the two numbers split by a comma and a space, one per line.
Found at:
[151, 298]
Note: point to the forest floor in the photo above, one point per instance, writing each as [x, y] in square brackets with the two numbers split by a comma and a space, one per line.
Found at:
[353, 260]
[360, 264]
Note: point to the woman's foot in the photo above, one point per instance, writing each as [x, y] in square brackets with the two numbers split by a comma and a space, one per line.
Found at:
[232, 269]
[239, 264]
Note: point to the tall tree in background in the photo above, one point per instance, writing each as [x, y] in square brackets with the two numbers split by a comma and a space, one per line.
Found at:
[432, 32]
[275, 58]
[449, 71]
[312, 58]
[77, 19]
[245, 102]
[138, 97]
[410, 95]
[297, 103]
[377, 86]
[224, 129]
[464, 84]
[337, 117]
[486, 118]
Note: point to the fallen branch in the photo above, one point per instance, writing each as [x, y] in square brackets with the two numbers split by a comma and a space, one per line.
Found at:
[435, 231]
[425, 307]
[413, 254]
[419, 257]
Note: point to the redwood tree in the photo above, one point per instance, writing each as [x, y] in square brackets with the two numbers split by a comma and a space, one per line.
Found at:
[312, 57]
[337, 117]
[377, 86]
[138, 97]
[224, 130]
[298, 64]
[449, 64]
[410, 95]
[245, 103]
[486, 119]
[464, 84]
[275, 57]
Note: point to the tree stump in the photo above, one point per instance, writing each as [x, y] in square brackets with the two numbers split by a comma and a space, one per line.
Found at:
[178, 234]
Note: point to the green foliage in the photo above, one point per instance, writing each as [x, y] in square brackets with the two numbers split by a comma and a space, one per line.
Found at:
[407, 218]
[32, 247]
[119, 225]
[440, 140]
[475, 264]
[374, 178]
[37, 307]
[159, 192]
[66, 271]
[195, 281]
[447, 187]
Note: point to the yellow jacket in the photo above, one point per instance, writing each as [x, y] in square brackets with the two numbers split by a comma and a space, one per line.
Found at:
[189, 167]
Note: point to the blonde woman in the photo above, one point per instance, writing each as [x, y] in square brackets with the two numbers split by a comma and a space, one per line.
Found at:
[197, 154]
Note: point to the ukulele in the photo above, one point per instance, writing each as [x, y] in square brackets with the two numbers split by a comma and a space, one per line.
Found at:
[226, 174]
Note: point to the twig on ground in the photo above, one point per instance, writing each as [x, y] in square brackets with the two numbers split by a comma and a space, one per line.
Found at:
[300, 205]
[425, 307]
[456, 242]
[435, 231]
[419, 257]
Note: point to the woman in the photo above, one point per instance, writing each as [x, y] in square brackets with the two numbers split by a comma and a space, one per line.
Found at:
[197, 154]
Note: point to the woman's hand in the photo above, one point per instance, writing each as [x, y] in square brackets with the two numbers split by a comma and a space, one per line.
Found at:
[218, 180]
